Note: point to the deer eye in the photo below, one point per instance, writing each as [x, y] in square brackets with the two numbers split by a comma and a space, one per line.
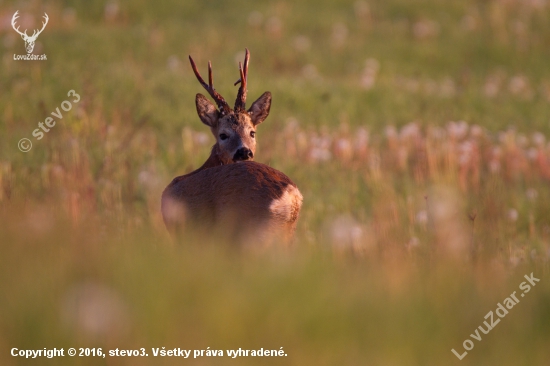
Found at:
[252, 134]
[223, 136]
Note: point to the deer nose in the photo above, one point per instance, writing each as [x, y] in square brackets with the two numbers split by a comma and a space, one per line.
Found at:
[243, 153]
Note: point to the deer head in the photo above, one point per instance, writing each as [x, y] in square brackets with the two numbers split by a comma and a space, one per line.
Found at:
[29, 40]
[234, 129]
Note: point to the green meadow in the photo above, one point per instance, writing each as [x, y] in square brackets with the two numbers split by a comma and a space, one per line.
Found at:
[417, 132]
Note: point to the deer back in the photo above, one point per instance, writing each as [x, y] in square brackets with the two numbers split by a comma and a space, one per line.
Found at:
[240, 199]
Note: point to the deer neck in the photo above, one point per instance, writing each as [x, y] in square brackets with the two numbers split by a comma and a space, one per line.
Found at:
[212, 161]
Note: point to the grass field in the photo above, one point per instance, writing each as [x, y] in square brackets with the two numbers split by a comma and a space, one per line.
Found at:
[417, 132]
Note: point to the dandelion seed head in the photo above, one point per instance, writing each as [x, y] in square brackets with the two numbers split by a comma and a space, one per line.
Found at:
[320, 154]
[457, 130]
[274, 26]
[532, 194]
[476, 131]
[468, 22]
[538, 139]
[425, 29]
[69, 16]
[391, 132]
[310, 72]
[522, 140]
[409, 131]
[361, 9]
[94, 310]
[532, 153]
[111, 10]
[422, 217]
[494, 166]
[173, 63]
[255, 19]
[302, 43]
[339, 34]
[447, 88]
[345, 231]
[413, 242]
[362, 136]
[512, 215]
[201, 138]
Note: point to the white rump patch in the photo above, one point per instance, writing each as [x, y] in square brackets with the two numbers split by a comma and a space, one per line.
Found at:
[288, 205]
[173, 211]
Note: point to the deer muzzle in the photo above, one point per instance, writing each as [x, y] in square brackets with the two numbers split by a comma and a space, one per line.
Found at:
[243, 154]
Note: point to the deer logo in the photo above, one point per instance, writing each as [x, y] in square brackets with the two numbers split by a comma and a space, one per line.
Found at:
[29, 40]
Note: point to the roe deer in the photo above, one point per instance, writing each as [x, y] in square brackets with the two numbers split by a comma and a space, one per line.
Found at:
[240, 199]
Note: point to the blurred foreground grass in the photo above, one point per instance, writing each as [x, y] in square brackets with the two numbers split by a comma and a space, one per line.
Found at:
[76, 288]
[414, 226]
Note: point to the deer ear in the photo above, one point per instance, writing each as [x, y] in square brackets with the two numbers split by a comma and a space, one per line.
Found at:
[207, 111]
[260, 108]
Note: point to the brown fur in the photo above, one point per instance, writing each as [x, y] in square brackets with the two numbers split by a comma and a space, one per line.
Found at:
[234, 198]
[230, 194]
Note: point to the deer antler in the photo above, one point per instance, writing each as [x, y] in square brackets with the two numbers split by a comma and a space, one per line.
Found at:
[222, 104]
[13, 19]
[35, 34]
[240, 103]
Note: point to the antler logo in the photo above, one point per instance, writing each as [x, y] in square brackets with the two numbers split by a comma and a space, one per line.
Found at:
[29, 40]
